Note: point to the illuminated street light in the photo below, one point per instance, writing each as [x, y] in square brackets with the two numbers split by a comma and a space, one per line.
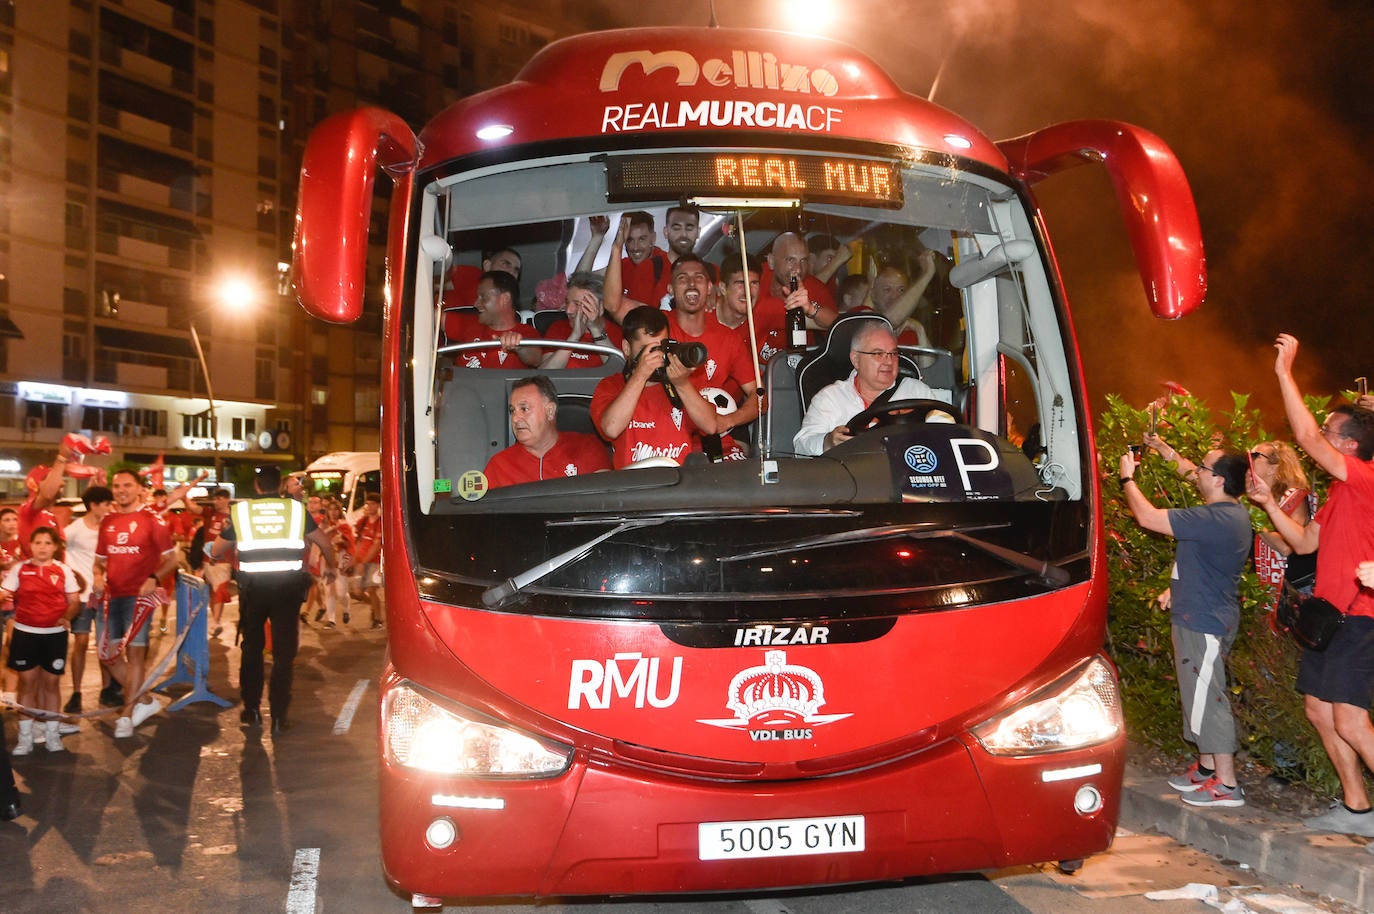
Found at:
[811, 15]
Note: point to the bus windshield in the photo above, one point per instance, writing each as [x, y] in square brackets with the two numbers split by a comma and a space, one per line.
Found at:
[976, 501]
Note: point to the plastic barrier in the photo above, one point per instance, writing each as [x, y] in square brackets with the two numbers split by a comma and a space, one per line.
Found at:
[193, 658]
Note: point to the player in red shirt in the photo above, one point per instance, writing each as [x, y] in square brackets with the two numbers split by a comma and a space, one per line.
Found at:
[367, 555]
[728, 364]
[643, 270]
[133, 551]
[586, 323]
[497, 294]
[45, 600]
[635, 413]
[463, 278]
[788, 257]
[770, 313]
[541, 451]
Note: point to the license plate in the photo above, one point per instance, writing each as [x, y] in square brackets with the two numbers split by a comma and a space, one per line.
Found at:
[780, 838]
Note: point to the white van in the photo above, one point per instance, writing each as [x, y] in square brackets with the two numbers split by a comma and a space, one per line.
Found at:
[348, 476]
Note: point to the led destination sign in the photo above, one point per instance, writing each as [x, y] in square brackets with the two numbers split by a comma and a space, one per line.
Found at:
[809, 178]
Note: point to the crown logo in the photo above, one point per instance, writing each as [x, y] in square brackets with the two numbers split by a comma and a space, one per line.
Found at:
[776, 693]
[775, 686]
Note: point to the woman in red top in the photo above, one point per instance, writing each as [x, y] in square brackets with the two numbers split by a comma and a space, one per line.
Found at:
[45, 600]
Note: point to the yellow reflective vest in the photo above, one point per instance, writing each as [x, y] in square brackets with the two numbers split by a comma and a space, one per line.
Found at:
[269, 534]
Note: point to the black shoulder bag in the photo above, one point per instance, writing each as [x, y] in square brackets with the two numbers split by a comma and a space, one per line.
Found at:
[1312, 621]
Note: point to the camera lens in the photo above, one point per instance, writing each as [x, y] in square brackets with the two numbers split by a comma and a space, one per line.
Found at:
[690, 355]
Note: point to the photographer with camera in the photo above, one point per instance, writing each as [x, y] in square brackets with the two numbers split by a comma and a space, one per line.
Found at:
[653, 409]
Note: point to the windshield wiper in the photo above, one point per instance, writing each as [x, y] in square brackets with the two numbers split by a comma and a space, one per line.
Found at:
[495, 596]
[1049, 573]
[1052, 575]
[824, 540]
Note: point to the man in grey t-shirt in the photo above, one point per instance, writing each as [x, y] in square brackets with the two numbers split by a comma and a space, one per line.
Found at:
[1213, 544]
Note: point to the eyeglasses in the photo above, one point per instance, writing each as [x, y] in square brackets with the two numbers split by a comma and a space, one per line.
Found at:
[879, 354]
[1208, 469]
[1328, 430]
[1260, 455]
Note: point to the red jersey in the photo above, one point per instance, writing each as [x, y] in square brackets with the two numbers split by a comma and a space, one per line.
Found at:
[573, 454]
[215, 522]
[464, 327]
[132, 545]
[657, 428]
[1347, 538]
[464, 292]
[40, 593]
[559, 330]
[367, 539]
[647, 281]
[30, 519]
[727, 356]
[770, 328]
[819, 293]
[178, 523]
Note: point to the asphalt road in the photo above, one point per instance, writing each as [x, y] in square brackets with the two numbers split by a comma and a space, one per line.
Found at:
[197, 813]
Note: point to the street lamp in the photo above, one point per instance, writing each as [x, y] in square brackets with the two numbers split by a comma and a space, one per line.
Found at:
[236, 294]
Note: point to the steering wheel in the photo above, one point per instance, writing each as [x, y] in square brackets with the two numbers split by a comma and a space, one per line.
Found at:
[897, 412]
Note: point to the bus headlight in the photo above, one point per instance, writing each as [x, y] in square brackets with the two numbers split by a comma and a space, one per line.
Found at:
[424, 735]
[1081, 709]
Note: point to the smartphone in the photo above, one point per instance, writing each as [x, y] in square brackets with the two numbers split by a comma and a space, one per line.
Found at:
[1250, 458]
[1154, 419]
[1136, 451]
[1362, 386]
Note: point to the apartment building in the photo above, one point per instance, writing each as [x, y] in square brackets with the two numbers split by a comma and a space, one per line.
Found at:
[148, 160]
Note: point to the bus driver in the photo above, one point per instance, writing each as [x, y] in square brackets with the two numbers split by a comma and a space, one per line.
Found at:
[873, 353]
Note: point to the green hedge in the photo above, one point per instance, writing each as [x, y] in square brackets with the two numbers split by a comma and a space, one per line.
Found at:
[1273, 728]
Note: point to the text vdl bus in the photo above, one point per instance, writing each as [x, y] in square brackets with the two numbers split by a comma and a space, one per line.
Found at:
[785, 670]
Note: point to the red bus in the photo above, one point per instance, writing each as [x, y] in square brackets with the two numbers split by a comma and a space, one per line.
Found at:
[779, 671]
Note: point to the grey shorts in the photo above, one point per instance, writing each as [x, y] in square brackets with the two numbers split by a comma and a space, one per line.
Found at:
[1200, 670]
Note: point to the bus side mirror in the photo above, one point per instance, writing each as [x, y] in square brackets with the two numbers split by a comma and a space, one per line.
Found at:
[1153, 194]
[329, 250]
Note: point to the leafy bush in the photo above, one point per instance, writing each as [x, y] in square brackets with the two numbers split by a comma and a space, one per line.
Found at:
[1272, 726]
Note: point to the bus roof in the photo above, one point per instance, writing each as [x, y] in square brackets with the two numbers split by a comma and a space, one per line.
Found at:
[630, 82]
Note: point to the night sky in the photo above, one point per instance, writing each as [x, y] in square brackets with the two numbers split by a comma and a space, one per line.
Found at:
[1268, 107]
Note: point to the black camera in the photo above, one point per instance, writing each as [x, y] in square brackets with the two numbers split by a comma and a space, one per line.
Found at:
[691, 355]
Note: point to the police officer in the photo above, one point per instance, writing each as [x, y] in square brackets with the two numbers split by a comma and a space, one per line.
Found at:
[272, 535]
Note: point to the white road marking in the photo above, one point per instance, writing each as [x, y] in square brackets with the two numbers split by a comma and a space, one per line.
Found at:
[305, 877]
[345, 719]
[766, 906]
